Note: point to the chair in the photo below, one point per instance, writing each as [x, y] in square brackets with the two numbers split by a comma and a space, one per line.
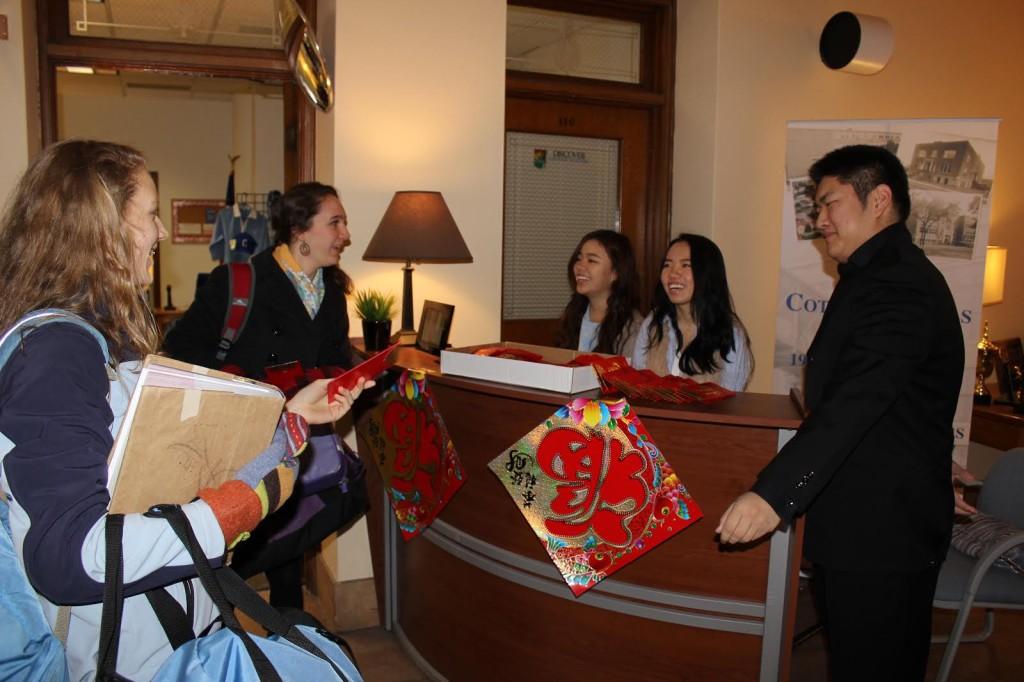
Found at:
[966, 582]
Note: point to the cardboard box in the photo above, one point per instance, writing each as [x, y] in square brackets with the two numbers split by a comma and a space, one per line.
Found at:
[550, 377]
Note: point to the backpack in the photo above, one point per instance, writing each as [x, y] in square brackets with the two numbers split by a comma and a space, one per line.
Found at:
[291, 652]
[29, 649]
[241, 289]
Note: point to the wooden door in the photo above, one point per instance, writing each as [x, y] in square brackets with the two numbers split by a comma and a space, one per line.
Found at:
[631, 127]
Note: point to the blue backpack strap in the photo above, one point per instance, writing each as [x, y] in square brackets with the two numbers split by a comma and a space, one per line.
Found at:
[37, 318]
[15, 334]
[29, 649]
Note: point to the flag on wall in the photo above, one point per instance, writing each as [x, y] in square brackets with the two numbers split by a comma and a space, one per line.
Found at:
[595, 489]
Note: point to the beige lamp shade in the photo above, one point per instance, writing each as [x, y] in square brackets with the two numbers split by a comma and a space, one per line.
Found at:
[995, 275]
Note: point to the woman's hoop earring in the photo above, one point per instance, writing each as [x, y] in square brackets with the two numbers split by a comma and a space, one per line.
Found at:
[303, 248]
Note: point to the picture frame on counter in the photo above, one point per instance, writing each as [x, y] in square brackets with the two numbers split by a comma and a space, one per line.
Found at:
[434, 327]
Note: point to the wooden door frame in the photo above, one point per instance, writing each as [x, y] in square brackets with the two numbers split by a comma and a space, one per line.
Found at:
[655, 93]
[57, 47]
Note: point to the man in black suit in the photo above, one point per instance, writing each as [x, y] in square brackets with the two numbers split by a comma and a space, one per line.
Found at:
[870, 466]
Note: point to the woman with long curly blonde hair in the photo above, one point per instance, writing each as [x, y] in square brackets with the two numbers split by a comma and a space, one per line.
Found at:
[76, 253]
[68, 237]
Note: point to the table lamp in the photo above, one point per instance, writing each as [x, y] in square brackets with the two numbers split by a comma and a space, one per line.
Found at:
[991, 293]
[416, 227]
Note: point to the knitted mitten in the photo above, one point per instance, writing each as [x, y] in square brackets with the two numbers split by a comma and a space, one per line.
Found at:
[262, 485]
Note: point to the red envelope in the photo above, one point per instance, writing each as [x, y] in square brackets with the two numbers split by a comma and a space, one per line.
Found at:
[709, 392]
[590, 360]
[371, 368]
[287, 376]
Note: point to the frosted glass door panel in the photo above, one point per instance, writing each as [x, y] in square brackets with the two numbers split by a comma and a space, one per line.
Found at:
[557, 188]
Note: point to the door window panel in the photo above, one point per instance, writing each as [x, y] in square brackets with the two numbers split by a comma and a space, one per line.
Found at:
[229, 23]
[564, 44]
[557, 188]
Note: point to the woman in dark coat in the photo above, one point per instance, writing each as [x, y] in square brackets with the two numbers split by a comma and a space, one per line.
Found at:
[297, 312]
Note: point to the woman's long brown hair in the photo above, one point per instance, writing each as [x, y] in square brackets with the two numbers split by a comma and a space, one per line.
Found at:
[64, 243]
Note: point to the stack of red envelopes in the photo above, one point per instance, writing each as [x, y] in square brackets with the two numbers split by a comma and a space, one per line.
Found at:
[616, 375]
[646, 385]
[509, 353]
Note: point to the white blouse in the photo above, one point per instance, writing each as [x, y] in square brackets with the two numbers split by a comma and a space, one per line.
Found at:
[736, 367]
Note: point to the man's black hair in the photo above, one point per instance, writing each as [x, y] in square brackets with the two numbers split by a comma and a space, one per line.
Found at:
[865, 167]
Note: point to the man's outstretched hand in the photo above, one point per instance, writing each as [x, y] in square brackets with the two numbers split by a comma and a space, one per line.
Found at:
[748, 518]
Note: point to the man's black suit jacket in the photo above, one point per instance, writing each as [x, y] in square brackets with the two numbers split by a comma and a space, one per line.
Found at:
[870, 466]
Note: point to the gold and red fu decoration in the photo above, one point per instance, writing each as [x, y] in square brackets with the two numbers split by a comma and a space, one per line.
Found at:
[415, 455]
[595, 489]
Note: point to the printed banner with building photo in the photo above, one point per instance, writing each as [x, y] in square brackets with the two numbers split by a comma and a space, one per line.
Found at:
[595, 489]
[950, 164]
[411, 447]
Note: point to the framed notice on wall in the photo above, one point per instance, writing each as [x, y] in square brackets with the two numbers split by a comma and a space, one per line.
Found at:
[192, 220]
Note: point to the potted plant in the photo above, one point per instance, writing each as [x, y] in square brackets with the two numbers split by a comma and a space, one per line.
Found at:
[375, 309]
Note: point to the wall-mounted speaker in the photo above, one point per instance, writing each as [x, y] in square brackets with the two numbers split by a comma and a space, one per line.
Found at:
[857, 43]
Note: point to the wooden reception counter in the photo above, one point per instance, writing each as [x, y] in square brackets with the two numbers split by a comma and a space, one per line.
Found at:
[475, 597]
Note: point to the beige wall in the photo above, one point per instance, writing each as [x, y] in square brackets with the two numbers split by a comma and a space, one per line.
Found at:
[186, 138]
[420, 105]
[13, 104]
[758, 68]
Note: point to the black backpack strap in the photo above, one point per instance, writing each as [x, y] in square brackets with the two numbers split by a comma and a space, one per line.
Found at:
[273, 621]
[113, 601]
[173, 618]
[241, 292]
[179, 523]
[297, 616]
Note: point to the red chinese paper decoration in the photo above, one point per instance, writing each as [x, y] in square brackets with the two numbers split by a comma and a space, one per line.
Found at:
[411, 447]
[595, 489]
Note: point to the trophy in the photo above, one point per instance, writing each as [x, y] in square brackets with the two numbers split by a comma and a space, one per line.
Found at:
[986, 363]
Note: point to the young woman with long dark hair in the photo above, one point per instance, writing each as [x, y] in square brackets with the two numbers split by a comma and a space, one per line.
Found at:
[693, 329]
[601, 316]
